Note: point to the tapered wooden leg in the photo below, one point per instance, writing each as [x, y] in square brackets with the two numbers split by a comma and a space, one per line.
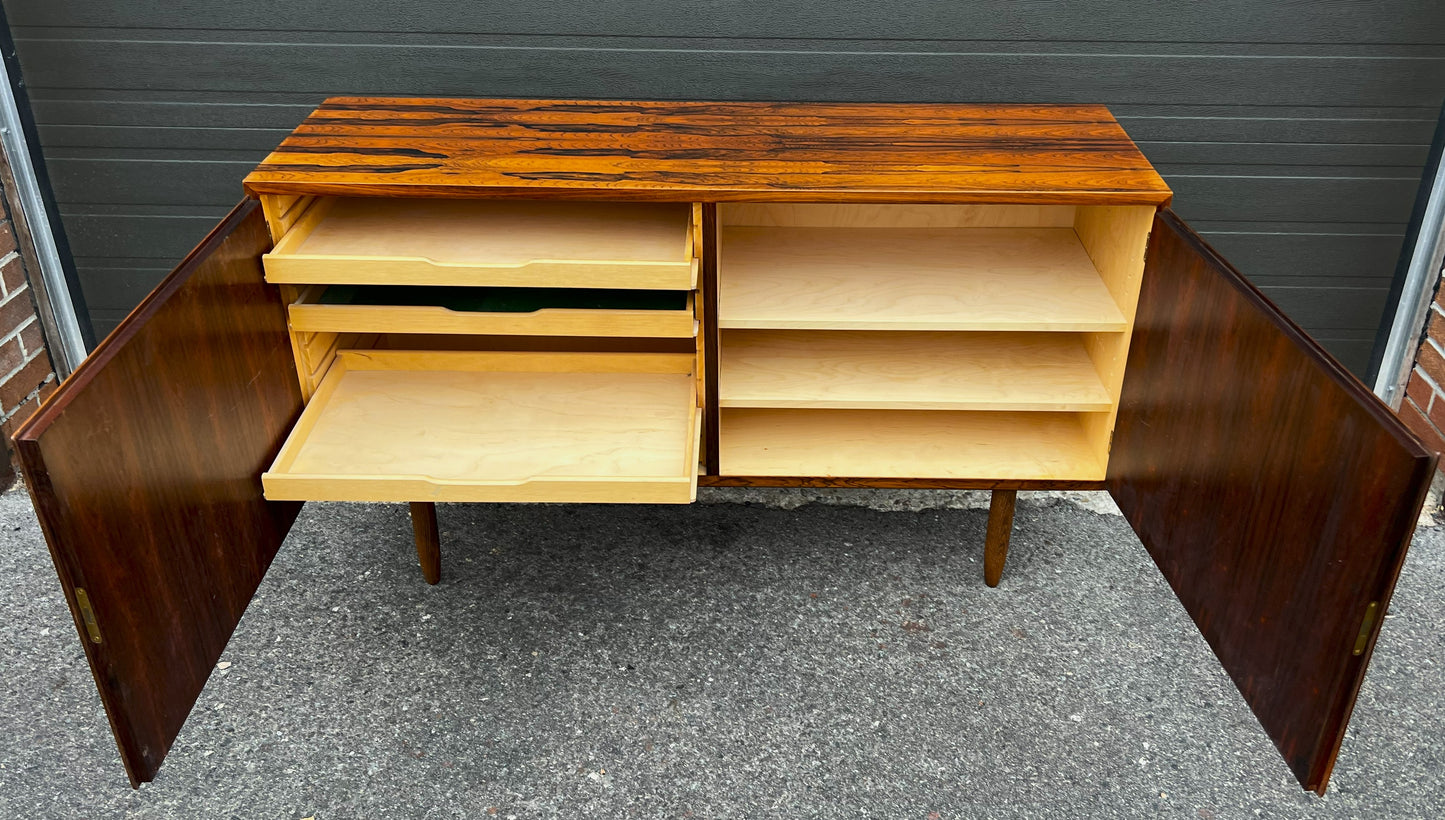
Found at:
[995, 542]
[428, 540]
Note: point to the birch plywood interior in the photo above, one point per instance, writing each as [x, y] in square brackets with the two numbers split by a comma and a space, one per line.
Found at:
[911, 279]
[471, 242]
[902, 370]
[438, 426]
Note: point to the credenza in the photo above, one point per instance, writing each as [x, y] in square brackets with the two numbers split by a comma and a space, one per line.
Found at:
[427, 300]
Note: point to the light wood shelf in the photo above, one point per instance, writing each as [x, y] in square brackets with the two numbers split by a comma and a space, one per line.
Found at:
[463, 426]
[1037, 278]
[474, 311]
[908, 370]
[906, 444]
[503, 243]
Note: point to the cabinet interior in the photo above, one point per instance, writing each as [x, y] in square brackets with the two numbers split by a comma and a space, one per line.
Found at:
[907, 444]
[475, 350]
[962, 342]
[984, 341]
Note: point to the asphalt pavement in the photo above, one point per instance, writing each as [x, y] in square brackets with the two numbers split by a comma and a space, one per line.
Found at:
[782, 654]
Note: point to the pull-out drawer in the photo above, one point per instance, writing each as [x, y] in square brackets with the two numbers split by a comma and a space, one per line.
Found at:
[496, 311]
[401, 425]
[500, 243]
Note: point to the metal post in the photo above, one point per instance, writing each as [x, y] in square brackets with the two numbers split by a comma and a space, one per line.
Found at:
[58, 316]
[1417, 286]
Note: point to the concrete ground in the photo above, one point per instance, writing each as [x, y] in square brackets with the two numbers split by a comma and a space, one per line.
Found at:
[718, 660]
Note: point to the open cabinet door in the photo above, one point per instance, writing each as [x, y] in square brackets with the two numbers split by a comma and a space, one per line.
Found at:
[1276, 494]
[145, 472]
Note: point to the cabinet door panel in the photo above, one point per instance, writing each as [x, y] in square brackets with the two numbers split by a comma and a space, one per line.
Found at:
[145, 472]
[1276, 494]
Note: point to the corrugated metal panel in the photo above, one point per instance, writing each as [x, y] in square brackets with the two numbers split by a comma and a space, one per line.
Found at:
[1292, 132]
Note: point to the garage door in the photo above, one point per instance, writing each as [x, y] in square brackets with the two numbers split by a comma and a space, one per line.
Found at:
[1292, 133]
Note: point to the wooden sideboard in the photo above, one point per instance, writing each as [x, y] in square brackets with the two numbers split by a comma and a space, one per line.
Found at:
[517, 300]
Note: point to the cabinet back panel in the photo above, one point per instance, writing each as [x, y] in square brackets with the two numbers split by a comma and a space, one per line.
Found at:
[848, 215]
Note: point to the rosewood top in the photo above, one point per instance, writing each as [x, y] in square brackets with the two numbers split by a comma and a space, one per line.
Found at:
[711, 151]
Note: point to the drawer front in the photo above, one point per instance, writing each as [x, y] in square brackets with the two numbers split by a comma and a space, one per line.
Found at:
[463, 426]
[659, 320]
[489, 243]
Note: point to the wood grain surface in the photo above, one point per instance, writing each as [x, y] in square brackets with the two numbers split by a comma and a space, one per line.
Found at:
[461, 426]
[428, 540]
[903, 370]
[710, 336]
[144, 468]
[712, 151]
[478, 242]
[1276, 494]
[881, 483]
[996, 538]
[497, 233]
[893, 215]
[311, 318]
[1116, 238]
[911, 279]
[1019, 446]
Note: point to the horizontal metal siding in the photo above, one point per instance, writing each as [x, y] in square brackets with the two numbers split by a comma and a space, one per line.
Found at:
[1225, 21]
[1292, 132]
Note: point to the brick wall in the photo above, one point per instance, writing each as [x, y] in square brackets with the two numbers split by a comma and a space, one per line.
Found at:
[26, 375]
[1423, 409]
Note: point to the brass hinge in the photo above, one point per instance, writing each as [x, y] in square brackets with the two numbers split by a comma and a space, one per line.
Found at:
[87, 614]
[1366, 626]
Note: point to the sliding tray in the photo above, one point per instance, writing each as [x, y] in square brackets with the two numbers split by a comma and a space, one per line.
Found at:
[503, 243]
[494, 311]
[401, 425]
